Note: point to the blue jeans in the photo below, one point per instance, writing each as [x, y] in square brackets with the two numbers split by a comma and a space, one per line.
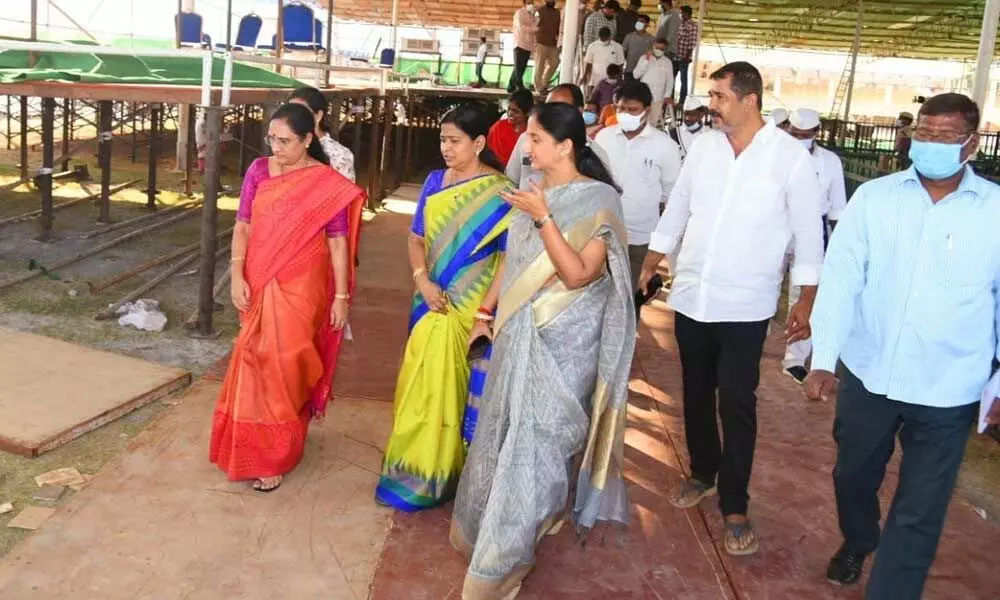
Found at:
[933, 443]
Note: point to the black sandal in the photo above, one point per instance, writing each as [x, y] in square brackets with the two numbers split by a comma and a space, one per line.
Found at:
[258, 486]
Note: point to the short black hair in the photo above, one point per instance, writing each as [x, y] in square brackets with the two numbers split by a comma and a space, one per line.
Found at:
[523, 99]
[573, 90]
[635, 90]
[635, 4]
[952, 103]
[613, 5]
[483, 39]
[662, 41]
[687, 10]
[614, 70]
[604, 33]
[643, 18]
[744, 79]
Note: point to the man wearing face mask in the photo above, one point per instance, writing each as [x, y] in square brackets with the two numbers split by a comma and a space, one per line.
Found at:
[600, 54]
[908, 316]
[519, 167]
[904, 135]
[645, 162]
[626, 20]
[692, 126]
[656, 70]
[804, 126]
[636, 45]
[547, 47]
[525, 29]
[599, 19]
[745, 192]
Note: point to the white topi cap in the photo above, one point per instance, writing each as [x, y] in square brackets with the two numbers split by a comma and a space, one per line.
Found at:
[779, 116]
[692, 103]
[804, 119]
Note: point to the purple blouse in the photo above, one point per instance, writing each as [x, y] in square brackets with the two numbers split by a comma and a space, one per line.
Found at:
[258, 172]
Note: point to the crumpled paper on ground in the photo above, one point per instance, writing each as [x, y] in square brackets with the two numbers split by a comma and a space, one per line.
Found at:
[144, 314]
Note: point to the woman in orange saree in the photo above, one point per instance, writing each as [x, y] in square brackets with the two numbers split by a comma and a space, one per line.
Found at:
[292, 273]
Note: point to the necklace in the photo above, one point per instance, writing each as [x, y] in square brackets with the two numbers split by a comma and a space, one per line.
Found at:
[451, 176]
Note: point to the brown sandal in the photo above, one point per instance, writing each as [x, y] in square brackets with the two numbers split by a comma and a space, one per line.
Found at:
[735, 533]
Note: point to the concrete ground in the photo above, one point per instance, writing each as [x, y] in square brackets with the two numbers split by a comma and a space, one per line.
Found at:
[160, 522]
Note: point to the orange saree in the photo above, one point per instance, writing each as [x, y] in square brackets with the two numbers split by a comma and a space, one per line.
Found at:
[281, 371]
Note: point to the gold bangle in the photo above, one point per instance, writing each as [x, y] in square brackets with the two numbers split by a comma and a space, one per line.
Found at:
[237, 259]
[341, 296]
[418, 273]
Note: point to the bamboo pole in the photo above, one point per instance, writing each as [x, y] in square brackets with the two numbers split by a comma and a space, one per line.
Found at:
[140, 219]
[67, 204]
[112, 309]
[99, 286]
[96, 249]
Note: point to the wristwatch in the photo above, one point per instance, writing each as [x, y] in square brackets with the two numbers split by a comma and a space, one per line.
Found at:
[539, 223]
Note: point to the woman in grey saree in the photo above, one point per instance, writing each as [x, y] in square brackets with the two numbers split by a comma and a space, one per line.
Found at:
[555, 400]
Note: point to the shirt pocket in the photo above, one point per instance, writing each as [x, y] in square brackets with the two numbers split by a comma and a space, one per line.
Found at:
[960, 259]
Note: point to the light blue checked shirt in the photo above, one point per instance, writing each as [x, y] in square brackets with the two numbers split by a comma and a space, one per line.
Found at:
[908, 297]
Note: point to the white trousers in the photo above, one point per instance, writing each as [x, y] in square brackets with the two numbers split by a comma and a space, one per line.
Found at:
[796, 354]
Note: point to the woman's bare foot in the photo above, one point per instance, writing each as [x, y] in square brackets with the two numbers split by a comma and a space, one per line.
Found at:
[268, 484]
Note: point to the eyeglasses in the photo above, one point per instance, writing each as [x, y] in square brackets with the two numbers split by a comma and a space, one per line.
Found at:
[274, 141]
[944, 137]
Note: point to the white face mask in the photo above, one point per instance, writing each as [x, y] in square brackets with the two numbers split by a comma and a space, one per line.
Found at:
[639, 25]
[807, 144]
[606, 42]
[694, 128]
[630, 122]
[657, 53]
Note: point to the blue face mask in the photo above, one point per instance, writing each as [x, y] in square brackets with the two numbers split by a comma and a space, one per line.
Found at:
[589, 118]
[935, 160]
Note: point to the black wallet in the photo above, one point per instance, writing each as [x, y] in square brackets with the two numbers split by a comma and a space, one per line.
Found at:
[653, 288]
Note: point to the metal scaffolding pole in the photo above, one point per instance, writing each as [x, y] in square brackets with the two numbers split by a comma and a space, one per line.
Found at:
[570, 27]
[855, 50]
[693, 69]
[987, 43]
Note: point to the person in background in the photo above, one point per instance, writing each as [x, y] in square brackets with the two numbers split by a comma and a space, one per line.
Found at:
[637, 44]
[605, 51]
[779, 116]
[341, 157]
[904, 137]
[504, 133]
[484, 48]
[456, 295]
[687, 41]
[656, 70]
[525, 29]
[604, 93]
[292, 265]
[603, 16]
[804, 125]
[645, 163]
[625, 20]
[746, 191]
[907, 318]
[519, 168]
[692, 126]
[554, 410]
[590, 115]
[547, 46]
[668, 25]
[201, 140]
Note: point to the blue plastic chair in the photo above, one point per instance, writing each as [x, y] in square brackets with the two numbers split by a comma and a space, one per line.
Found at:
[246, 34]
[190, 26]
[303, 31]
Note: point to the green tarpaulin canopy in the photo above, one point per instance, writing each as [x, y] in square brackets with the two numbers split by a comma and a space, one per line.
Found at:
[98, 68]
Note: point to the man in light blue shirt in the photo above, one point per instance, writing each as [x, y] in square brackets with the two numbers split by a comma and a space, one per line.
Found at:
[908, 303]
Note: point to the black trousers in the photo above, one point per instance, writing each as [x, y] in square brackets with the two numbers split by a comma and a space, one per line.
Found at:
[723, 358]
[479, 73]
[521, 58]
[681, 70]
[933, 443]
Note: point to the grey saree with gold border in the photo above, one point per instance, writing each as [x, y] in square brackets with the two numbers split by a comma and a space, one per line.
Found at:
[555, 400]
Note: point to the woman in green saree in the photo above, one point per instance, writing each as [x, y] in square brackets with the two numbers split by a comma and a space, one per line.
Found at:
[456, 247]
[554, 404]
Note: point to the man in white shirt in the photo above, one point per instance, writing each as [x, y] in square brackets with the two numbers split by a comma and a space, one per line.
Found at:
[779, 117]
[745, 192]
[525, 28]
[645, 163]
[656, 70]
[481, 62]
[804, 125]
[693, 125]
[600, 54]
[519, 167]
